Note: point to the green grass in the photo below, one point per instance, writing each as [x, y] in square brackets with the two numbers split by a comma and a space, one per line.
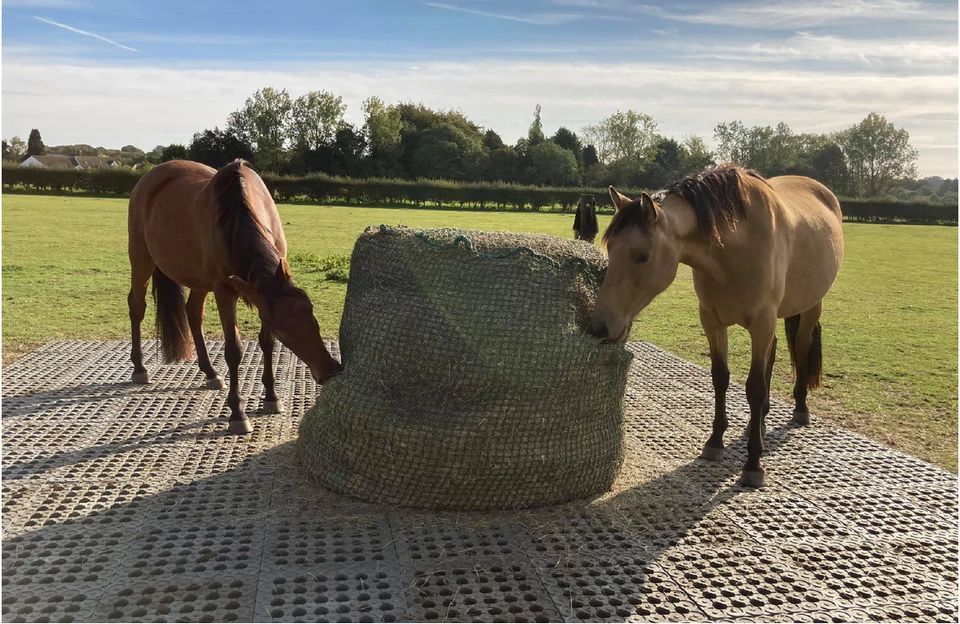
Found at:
[890, 323]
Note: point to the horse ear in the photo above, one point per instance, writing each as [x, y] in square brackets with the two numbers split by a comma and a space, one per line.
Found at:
[650, 207]
[619, 201]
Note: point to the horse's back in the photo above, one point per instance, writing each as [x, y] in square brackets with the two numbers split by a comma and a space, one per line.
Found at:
[811, 234]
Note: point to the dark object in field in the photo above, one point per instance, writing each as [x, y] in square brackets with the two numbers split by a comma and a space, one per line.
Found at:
[468, 381]
[585, 226]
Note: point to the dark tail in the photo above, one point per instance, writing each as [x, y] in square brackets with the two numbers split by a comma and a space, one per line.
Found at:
[814, 357]
[172, 326]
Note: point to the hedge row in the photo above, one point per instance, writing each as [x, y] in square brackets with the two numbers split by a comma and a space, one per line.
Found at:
[321, 188]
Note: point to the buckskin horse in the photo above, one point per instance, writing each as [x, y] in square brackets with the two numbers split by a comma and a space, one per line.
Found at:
[216, 231]
[760, 249]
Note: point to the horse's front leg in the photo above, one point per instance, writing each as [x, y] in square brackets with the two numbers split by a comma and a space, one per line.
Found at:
[227, 307]
[720, 374]
[271, 402]
[762, 331]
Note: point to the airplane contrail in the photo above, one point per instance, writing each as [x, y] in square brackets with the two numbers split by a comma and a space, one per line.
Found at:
[84, 32]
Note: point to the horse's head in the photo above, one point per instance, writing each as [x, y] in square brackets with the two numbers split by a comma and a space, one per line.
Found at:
[287, 313]
[643, 260]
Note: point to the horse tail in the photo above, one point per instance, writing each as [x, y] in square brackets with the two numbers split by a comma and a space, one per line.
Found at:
[172, 326]
[814, 355]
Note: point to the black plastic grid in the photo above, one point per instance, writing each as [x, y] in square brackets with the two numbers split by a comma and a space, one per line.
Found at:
[127, 502]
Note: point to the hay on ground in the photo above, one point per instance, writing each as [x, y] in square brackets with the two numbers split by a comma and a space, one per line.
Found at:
[468, 381]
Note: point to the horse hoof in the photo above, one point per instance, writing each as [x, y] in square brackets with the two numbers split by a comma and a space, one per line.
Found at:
[711, 453]
[215, 383]
[240, 427]
[140, 378]
[752, 478]
[273, 407]
[801, 418]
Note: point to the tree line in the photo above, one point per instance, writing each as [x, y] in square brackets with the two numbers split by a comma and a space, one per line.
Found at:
[406, 140]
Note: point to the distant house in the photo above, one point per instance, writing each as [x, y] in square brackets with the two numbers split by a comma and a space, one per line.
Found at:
[63, 161]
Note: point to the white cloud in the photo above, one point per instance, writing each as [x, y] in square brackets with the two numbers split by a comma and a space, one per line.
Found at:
[889, 53]
[787, 14]
[118, 105]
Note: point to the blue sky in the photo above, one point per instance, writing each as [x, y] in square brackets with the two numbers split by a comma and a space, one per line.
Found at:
[112, 72]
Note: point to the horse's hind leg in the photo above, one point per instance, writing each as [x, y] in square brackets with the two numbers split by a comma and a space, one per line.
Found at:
[141, 268]
[803, 334]
[195, 307]
[271, 403]
[720, 374]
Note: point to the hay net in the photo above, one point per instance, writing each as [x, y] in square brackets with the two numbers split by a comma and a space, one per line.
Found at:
[468, 381]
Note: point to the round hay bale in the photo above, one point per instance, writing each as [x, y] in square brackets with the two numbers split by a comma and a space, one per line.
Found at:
[468, 381]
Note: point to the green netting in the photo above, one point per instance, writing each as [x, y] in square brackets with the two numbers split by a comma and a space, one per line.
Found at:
[468, 381]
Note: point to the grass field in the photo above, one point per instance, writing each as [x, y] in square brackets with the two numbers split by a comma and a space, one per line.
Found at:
[890, 323]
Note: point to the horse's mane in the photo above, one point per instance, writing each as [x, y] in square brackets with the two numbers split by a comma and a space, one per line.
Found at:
[252, 256]
[716, 195]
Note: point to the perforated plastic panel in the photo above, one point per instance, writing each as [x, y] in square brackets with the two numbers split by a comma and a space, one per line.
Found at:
[131, 503]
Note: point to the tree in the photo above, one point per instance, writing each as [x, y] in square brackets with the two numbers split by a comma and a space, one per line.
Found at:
[770, 150]
[492, 141]
[624, 135]
[567, 139]
[590, 157]
[666, 166]
[829, 166]
[502, 165]
[445, 151]
[16, 150]
[878, 154]
[314, 119]
[35, 144]
[535, 133]
[548, 164]
[218, 147]
[384, 130]
[174, 151]
[696, 155]
[264, 123]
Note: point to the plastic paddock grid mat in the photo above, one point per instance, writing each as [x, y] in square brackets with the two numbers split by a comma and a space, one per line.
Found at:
[131, 503]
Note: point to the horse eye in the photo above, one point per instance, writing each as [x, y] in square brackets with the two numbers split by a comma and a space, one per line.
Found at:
[641, 258]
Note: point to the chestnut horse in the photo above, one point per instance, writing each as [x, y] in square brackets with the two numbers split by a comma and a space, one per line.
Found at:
[760, 250]
[216, 231]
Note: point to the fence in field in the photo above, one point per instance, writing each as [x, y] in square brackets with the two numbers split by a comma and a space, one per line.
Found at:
[322, 188]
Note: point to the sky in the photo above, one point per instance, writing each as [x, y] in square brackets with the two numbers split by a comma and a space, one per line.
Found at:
[113, 72]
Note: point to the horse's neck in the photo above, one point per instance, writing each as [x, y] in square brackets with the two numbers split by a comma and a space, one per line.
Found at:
[695, 249]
